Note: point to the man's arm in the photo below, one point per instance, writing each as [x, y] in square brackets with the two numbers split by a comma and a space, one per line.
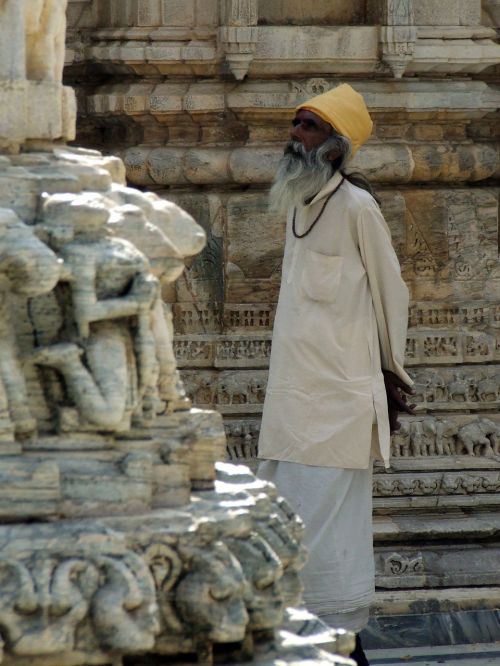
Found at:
[390, 301]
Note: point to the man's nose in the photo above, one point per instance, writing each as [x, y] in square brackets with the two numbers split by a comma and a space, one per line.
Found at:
[295, 133]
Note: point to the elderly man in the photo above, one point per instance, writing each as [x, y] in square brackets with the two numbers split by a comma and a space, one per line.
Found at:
[336, 379]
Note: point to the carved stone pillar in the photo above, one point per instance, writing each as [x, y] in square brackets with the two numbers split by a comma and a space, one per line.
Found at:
[397, 34]
[238, 34]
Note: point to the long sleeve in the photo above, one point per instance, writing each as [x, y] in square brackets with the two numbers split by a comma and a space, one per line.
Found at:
[388, 290]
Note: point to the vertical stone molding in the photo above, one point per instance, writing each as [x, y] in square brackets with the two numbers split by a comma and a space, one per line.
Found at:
[31, 62]
[238, 34]
[397, 35]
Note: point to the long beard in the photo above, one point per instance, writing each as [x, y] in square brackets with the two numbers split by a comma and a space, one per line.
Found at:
[302, 174]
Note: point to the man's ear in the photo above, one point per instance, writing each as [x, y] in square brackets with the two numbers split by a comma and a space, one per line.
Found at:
[333, 155]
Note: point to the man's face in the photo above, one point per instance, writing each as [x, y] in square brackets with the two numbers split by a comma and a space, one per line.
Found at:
[311, 130]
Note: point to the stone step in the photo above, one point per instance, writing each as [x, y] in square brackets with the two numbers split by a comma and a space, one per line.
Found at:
[436, 524]
[407, 619]
[481, 654]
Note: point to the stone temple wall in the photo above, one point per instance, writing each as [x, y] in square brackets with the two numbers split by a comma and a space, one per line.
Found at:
[197, 96]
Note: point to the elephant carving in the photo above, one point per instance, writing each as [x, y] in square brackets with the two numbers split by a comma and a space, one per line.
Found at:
[478, 436]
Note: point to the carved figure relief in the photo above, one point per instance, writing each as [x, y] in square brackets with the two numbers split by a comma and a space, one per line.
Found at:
[105, 281]
[226, 389]
[457, 389]
[445, 437]
[29, 268]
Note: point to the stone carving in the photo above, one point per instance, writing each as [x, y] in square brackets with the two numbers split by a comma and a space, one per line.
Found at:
[310, 88]
[263, 570]
[446, 437]
[441, 484]
[422, 437]
[402, 565]
[52, 589]
[44, 601]
[451, 347]
[457, 389]
[479, 438]
[201, 351]
[98, 271]
[398, 35]
[124, 608]
[280, 528]
[242, 439]
[29, 268]
[227, 390]
[210, 596]
[488, 389]
[231, 389]
[113, 371]
[238, 34]
[244, 350]
[441, 314]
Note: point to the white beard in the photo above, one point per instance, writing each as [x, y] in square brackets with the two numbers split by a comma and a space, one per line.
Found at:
[302, 174]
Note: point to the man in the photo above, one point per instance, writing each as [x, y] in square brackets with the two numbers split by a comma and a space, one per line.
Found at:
[336, 378]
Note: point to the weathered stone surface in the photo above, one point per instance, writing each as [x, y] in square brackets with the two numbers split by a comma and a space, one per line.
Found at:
[451, 12]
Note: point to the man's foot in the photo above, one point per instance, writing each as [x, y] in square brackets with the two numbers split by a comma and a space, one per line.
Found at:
[359, 655]
[57, 356]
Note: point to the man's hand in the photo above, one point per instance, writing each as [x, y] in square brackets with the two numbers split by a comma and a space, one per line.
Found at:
[396, 398]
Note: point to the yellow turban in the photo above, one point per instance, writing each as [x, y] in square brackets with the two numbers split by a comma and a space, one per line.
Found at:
[345, 110]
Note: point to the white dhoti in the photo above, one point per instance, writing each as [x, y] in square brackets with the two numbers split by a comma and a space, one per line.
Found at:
[336, 507]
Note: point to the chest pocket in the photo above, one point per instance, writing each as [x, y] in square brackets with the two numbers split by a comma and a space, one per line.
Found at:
[321, 275]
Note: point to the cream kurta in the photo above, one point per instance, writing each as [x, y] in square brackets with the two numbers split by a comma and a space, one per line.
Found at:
[341, 317]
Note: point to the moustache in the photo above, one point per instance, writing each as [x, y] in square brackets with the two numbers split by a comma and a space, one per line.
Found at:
[295, 149]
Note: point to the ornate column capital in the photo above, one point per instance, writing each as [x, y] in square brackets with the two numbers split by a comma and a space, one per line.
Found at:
[397, 34]
[238, 34]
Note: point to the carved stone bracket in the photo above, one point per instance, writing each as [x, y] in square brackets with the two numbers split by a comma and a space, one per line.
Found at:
[397, 35]
[238, 34]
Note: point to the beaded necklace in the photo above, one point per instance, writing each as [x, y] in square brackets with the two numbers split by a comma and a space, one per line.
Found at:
[317, 217]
